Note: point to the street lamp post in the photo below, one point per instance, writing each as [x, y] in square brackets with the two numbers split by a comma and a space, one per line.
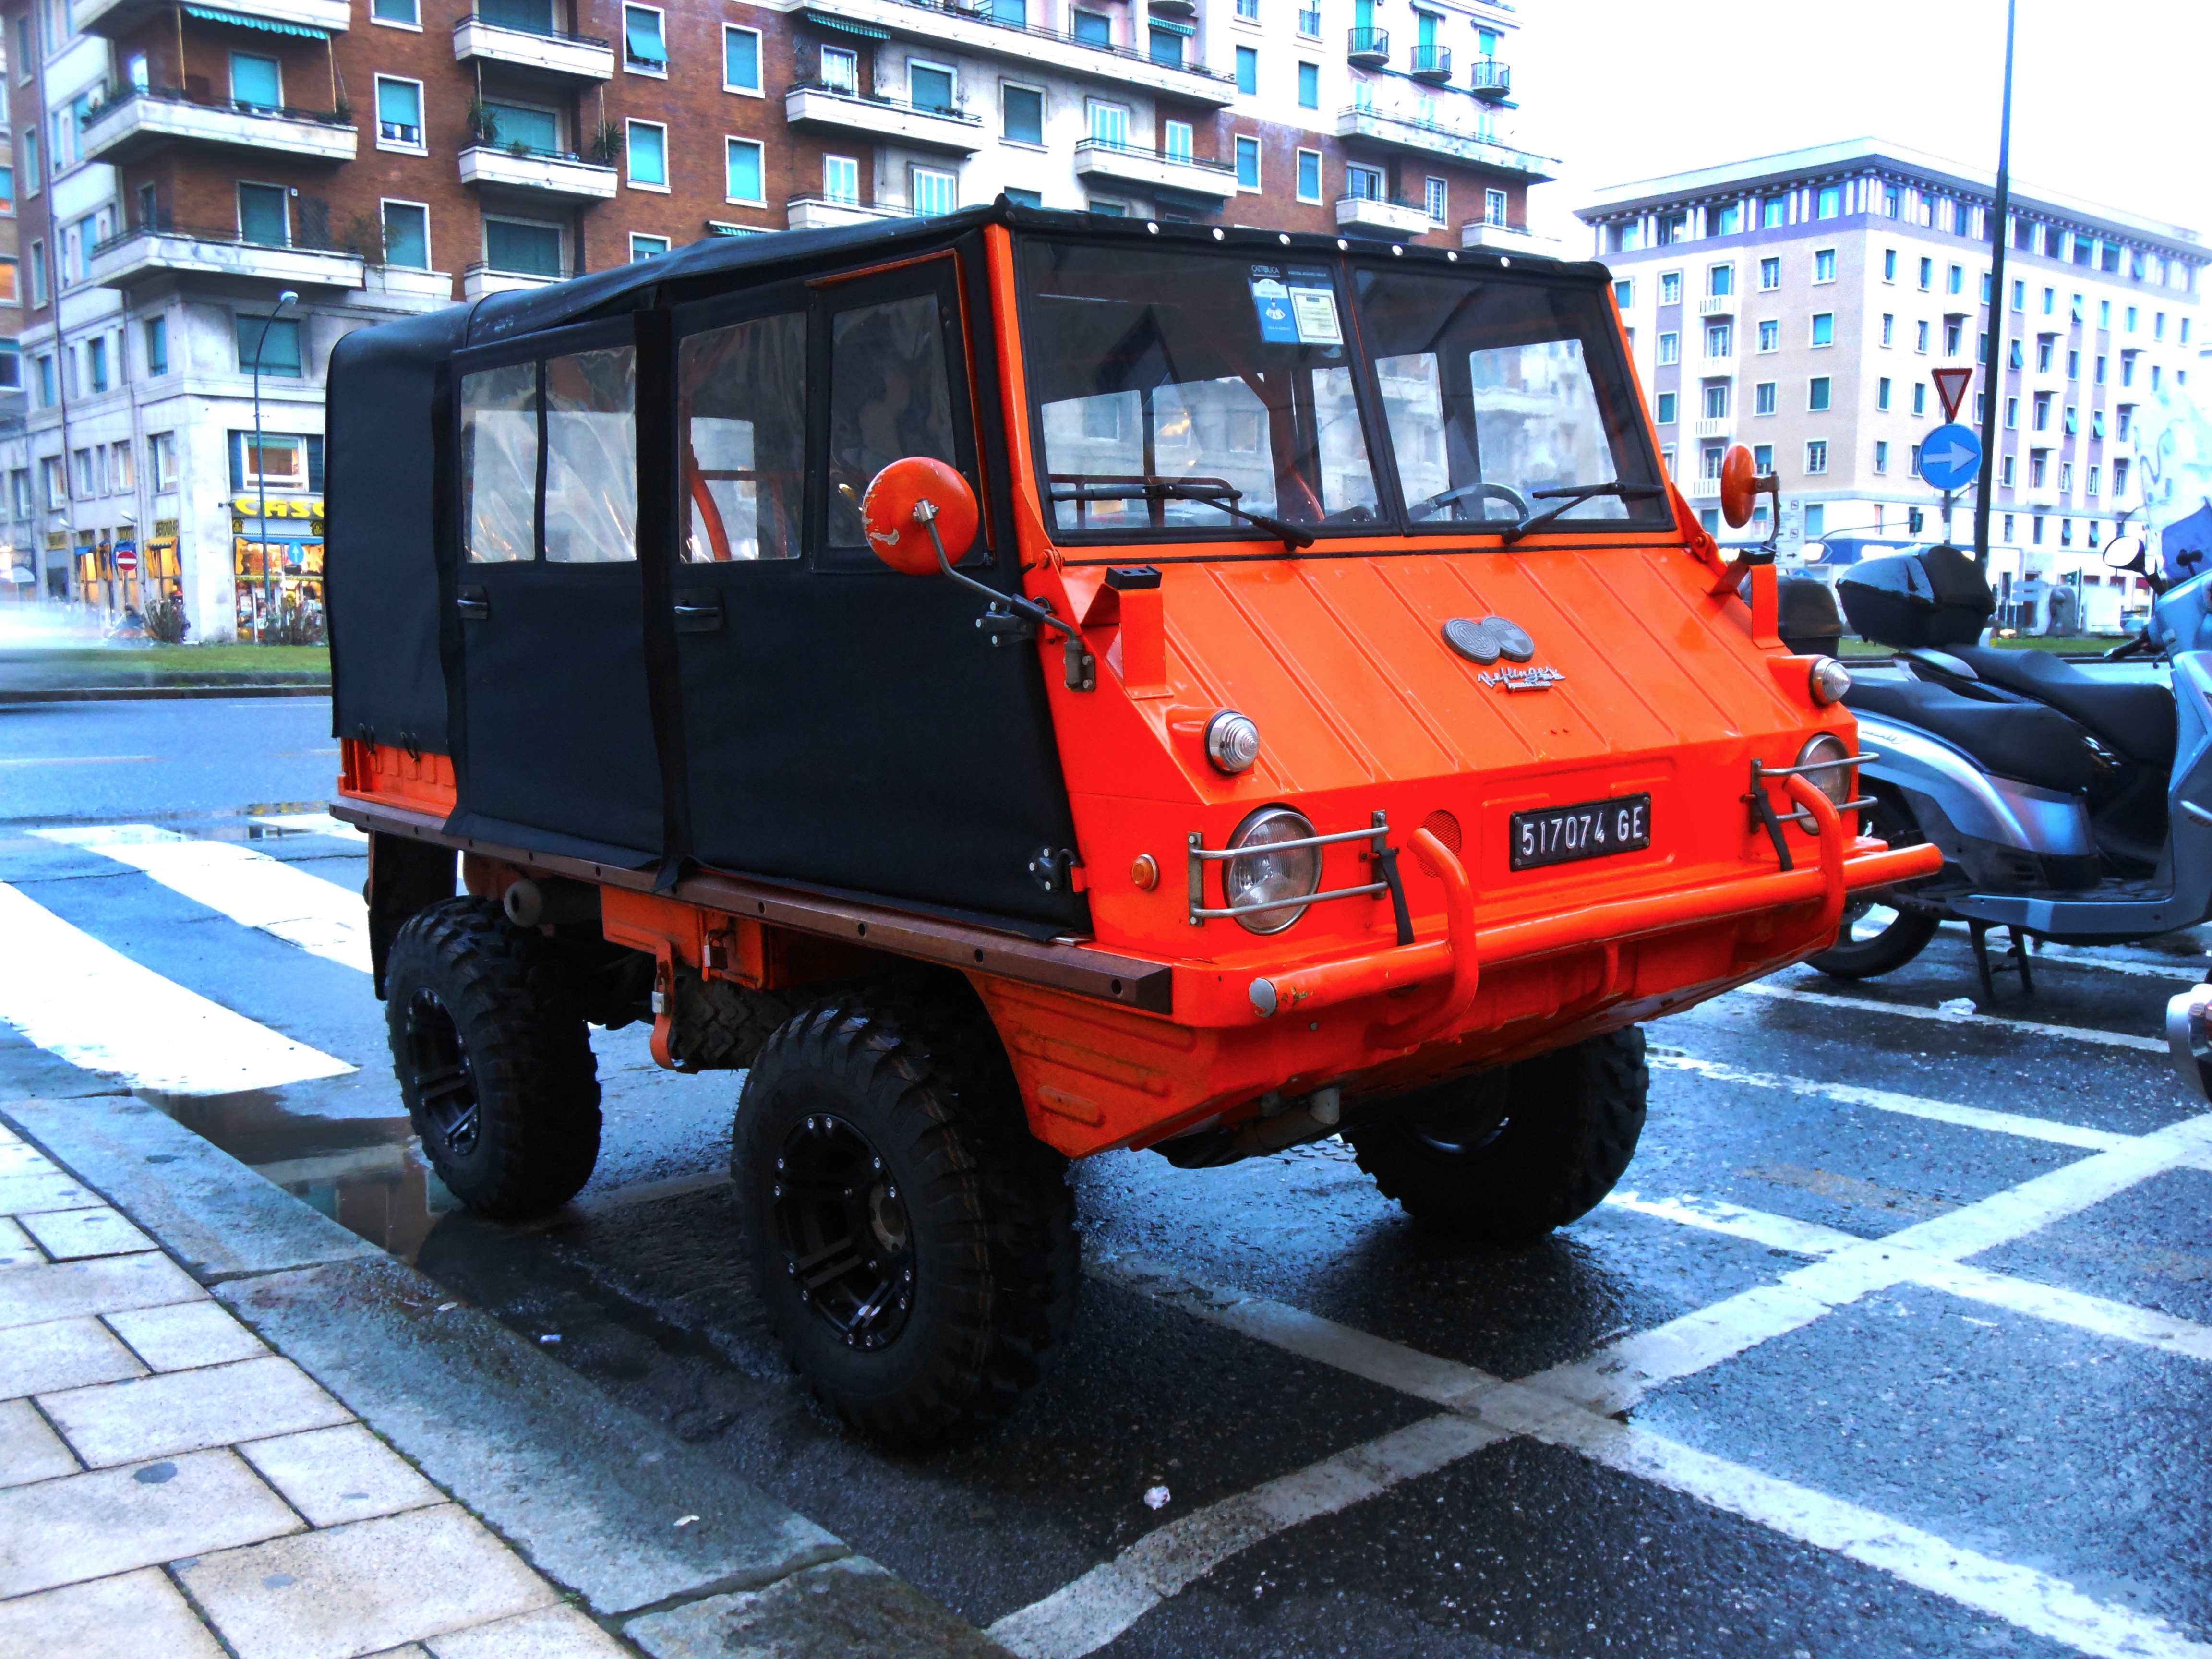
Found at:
[260, 464]
[1992, 370]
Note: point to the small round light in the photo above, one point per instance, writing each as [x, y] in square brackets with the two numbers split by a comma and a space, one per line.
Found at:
[1397, 249]
[1152, 227]
[1283, 237]
[1504, 264]
[1145, 871]
[1342, 245]
[1452, 254]
[1267, 874]
[1217, 234]
[1822, 752]
[1829, 679]
[1232, 741]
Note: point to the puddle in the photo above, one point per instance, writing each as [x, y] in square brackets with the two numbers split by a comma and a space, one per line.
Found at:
[366, 1174]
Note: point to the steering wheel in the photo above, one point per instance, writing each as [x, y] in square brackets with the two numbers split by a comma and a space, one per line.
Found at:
[1357, 512]
[1505, 493]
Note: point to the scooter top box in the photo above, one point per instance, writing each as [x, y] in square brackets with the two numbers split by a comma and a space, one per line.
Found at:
[1917, 601]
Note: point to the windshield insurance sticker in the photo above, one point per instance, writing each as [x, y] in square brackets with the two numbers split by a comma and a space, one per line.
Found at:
[1296, 306]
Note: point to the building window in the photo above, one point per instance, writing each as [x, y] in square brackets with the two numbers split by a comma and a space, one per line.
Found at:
[1953, 335]
[1769, 275]
[1920, 398]
[1110, 122]
[283, 460]
[121, 470]
[741, 59]
[1308, 175]
[1920, 337]
[1831, 201]
[157, 347]
[1248, 163]
[1362, 184]
[743, 173]
[1720, 281]
[1720, 340]
[645, 49]
[1816, 460]
[2036, 463]
[1824, 265]
[1824, 328]
[46, 382]
[1028, 198]
[1624, 293]
[256, 82]
[1729, 220]
[279, 348]
[841, 70]
[1762, 397]
[1670, 287]
[398, 113]
[647, 247]
[1308, 85]
[1717, 404]
[1774, 211]
[1816, 513]
[931, 86]
[647, 147]
[1309, 22]
[1094, 28]
[521, 248]
[1880, 455]
[401, 14]
[95, 363]
[1881, 392]
[407, 235]
[1436, 195]
[28, 150]
[1817, 396]
[1247, 71]
[935, 193]
[841, 178]
[1021, 114]
[1166, 43]
[1769, 335]
[1667, 409]
[10, 293]
[1670, 347]
[1927, 274]
[1494, 206]
[1179, 137]
[2119, 477]
[264, 216]
[2005, 472]
[1248, 10]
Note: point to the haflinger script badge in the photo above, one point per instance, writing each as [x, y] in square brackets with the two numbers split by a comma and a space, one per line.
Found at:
[1521, 679]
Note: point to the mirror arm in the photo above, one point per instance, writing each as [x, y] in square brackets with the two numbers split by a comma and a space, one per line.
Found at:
[1026, 614]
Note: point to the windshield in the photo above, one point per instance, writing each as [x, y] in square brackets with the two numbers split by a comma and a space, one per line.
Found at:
[1496, 391]
[1173, 386]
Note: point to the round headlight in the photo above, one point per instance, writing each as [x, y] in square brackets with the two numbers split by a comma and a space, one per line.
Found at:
[1829, 680]
[1266, 873]
[1232, 742]
[1825, 755]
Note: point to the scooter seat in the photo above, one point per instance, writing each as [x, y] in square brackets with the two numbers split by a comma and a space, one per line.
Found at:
[2136, 718]
[2026, 742]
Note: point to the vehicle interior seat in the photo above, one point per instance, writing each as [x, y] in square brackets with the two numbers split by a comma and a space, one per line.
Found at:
[2028, 743]
[2135, 717]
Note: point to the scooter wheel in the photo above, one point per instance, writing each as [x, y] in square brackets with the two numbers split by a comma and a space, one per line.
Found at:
[1866, 947]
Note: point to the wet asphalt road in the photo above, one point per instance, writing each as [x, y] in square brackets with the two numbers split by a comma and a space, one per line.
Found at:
[2000, 1450]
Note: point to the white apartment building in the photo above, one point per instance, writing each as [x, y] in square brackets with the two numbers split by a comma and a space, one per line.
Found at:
[1797, 303]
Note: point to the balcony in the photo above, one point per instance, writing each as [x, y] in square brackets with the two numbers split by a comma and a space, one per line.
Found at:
[575, 58]
[115, 18]
[825, 212]
[1507, 239]
[480, 279]
[1383, 215]
[1490, 80]
[139, 123]
[1720, 304]
[555, 173]
[811, 103]
[124, 260]
[1703, 489]
[1128, 164]
[397, 287]
[1713, 428]
[1180, 10]
[972, 25]
[1431, 63]
[1367, 48]
[1392, 130]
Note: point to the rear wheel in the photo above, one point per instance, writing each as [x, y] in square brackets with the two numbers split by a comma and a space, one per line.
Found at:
[1875, 937]
[496, 1069]
[1509, 1155]
[915, 1248]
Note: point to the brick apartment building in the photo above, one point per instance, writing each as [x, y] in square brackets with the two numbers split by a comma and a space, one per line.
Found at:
[184, 165]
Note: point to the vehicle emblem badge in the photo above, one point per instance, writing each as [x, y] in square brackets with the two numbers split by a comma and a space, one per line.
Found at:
[1487, 640]
[1522, 679]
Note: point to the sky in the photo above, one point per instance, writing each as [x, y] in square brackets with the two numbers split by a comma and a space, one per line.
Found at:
[2111, 103]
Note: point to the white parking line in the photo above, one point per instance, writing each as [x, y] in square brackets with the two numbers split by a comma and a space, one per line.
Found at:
[250, 888]
[1084, 1616]
[95, 1007]
[1776, 1232]
[1883, 1100]
[311, 823]
[1913, 1011]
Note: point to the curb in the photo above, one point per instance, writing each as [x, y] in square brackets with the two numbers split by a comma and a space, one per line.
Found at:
[664, 1546]
[128, 692]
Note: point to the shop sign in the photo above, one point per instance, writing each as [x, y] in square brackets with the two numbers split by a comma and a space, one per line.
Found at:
[166, 529]
[304, 507]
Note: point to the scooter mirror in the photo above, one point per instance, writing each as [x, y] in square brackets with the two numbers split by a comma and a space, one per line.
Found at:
[2124, 553]
[907, 498]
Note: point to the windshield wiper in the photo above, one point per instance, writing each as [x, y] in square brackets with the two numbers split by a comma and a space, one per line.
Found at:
[1187, 489]
[1575, 495]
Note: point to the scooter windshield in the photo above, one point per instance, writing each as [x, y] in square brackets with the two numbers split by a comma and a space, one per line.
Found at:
[1171, 388]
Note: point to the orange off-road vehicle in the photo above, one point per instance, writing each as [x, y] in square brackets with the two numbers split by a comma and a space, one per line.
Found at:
[1022, 684]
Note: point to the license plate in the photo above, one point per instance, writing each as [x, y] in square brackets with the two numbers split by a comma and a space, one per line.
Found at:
[1561, 835]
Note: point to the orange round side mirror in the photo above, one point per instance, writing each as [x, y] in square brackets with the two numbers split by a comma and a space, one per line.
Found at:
[900, 536]
[1739, 481]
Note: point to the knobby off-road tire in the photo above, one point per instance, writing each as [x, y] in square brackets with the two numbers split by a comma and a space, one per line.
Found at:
[496, 1065]
[915, 1247]
[1507, 1156]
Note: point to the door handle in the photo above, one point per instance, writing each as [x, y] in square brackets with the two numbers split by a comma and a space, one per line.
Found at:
[474, 604]
[698, 611]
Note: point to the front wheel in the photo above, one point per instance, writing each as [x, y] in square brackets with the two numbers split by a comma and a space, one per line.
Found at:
[915, 1248]
[1876, 938]
[1507, 1156]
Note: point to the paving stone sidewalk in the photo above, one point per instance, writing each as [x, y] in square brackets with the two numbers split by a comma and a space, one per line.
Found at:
[172, 1485]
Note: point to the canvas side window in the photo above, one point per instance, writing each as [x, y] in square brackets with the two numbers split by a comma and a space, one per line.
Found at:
[743, 405]
[591, 457]
[887, 399]
[498, 462]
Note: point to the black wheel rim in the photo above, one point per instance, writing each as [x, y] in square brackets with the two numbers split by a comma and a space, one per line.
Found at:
[1465, 1127]
[445, 1086]
[842, 1227]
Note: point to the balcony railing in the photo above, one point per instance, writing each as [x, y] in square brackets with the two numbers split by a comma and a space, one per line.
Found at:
[543, 51]
[1431, 63]
[1368, 47]
[1488, 78]
[222, 105]
[956, 110]
[485, 268]
[1410, 130]
[980, 11]
[1158, 170]
[1115, 147]
[477, 21]
[228, 236]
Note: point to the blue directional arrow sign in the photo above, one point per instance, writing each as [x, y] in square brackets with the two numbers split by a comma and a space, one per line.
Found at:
[1951, 457]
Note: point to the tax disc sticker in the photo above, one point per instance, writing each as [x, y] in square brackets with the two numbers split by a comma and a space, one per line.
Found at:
[1272, 299]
